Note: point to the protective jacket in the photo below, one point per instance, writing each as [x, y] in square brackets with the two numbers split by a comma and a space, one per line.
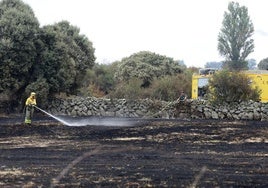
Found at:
[29, 108]
[30, 100]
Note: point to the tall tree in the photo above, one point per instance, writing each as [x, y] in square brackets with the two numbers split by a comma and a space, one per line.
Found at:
[64, 57]
[235, 41]
[18, 28]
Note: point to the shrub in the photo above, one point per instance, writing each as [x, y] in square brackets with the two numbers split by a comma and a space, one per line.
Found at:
[168, 88]
[129, 90]
[229, 87]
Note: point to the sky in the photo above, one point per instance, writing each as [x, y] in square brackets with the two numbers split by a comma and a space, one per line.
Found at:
[184, 30]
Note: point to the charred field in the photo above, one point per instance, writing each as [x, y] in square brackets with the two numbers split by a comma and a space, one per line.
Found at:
[145, 153]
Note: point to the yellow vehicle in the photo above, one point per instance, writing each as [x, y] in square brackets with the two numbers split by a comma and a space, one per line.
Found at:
[200, 82]
[260, 80]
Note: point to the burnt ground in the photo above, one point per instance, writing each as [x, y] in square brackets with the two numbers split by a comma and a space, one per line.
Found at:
[149, 153]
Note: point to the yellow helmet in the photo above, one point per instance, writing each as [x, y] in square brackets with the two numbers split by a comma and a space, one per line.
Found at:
[32, 93]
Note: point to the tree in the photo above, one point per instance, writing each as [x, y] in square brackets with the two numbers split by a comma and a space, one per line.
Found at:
[263, 65]
[49, 60]
[146, 66]
[64, 57]
[18, 28]
[234, 40]
[99, 80]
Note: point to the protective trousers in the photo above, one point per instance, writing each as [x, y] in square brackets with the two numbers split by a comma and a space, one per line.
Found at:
[29, 114]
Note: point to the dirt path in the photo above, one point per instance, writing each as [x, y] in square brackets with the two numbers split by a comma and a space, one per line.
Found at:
[154, 153]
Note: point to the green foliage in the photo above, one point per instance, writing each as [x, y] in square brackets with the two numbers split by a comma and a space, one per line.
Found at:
[165, 88]
[149, 75]
[104, 77]
[53, 59]
[168, 88]
[228, 86]
[235, 41]
[18, 27]
[99, 81]
[129, 90]
[64, 57]
[263, 65]
[146, 66]
[57, 60]
[235, 65]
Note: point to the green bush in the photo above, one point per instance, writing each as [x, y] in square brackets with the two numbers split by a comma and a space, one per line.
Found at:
[129, 90]
[168, 88]
[229, 87]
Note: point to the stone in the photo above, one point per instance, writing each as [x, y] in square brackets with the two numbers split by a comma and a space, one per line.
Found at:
[148, 108]
[214, 115]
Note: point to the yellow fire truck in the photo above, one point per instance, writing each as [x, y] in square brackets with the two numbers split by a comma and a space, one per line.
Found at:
[200, 82]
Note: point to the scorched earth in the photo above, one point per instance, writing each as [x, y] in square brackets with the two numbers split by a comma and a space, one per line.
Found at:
[144, 153]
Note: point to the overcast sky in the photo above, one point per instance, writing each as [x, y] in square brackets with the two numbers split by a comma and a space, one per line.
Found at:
[182, 29]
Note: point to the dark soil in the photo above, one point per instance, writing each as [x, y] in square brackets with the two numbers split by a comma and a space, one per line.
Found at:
[149, 153]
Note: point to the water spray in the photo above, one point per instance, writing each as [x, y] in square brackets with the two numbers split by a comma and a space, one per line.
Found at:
[93, 121]
[58, 119]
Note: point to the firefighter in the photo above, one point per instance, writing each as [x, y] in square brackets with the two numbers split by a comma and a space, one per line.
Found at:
[30, 103]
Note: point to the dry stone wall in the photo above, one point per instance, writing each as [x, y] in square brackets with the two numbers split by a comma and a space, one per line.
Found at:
[249, 110]
[147, 108]
[91, 106]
